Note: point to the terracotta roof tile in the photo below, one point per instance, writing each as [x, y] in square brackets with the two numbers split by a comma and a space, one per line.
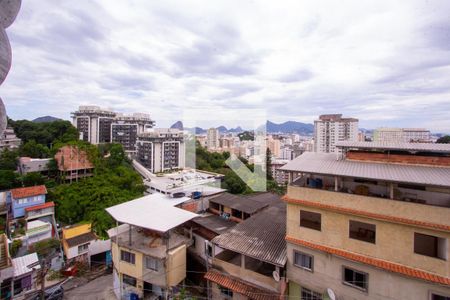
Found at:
[241, 287]
[389, 266]
[40, 206]
[29, 191]
[72, 158]
[371, 215]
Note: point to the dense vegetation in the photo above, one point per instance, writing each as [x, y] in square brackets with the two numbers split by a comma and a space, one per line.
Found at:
[215, 162]
[444, 139]
[114, 179]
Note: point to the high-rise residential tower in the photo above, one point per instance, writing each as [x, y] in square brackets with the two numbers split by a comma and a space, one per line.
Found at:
[161, 149]
[406, 135]
[93, 123]
[212, 138]
[126, 128]
[330, 129]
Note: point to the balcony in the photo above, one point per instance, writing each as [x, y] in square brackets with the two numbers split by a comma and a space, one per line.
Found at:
[248, 269]
[148, 243]
[377, 189]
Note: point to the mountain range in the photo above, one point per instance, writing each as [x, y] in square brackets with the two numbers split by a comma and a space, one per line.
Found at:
[45, 119]
[286, 127]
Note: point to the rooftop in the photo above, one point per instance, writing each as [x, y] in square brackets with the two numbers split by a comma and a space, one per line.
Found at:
[81, 239]
[214, 223]
[260, 237]
[326, 164]
[396, 146]
[72, 158]
[145, 242]
[249, 203]
[28, 191]
[36, 224]
[150, 212]
[40, 206]
[25, 264]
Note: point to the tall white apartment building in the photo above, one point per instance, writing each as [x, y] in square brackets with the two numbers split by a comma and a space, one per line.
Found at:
[161, 149]
[406, 135]
[212, 138]
[330, 129]
[126, 128]
[93, 123]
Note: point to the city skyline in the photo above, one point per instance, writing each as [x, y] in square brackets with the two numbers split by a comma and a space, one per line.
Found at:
[162, 59]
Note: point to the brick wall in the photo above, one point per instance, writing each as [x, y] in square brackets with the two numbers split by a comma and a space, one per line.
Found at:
[399, 158]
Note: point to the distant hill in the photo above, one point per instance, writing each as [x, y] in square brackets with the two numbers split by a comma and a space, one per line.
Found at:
[286, 127]
[290, 127]
[177, 125]
[45, 119]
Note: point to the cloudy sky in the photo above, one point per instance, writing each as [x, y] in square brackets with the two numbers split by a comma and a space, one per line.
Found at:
[384, 62]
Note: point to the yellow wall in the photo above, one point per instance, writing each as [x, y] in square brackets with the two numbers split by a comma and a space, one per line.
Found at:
[394, 242]
[176, 265]
[76, 230]
[127, 268]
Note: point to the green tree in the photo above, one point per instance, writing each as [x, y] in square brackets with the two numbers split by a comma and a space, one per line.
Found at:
[8, 159]
[444, 139]
[34, 150]
[9, 179]
[33, 178]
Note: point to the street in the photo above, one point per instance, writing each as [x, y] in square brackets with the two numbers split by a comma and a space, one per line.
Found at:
[97, 289]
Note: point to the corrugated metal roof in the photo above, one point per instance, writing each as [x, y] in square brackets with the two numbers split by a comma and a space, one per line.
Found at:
[21, 264]
[214, 223]
[248, 204]
[151, 212]
[260, 236]
[326, 163]
[395, 146]
[81, 239]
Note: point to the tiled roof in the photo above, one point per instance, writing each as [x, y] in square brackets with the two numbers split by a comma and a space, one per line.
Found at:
[326, 164]
[260, 236]
[371, 215]
[72, 158]
[29, 191]
[40, 206]
[241, 287]
[81, 239]
[248, 204]
[382, 264]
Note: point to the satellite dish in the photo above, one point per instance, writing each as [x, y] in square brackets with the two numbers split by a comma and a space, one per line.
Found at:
[276, 276]
[331, 294]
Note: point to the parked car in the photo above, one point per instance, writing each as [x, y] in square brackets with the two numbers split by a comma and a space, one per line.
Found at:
[53, 293]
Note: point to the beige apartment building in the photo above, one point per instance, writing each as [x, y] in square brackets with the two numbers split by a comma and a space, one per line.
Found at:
[148, 249]
[369, 223]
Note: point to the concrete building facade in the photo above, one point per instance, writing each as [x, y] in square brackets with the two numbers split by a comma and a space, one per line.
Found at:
[93, 123]
[363, 228]
[212, 138]
[126, 128]
[161, 149]
[406, 135]
[329, 129]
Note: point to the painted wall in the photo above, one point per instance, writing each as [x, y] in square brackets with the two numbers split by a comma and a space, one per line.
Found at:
[19, 205]
[327, 273]
[176, 265]
[76, 230]
[394, 242]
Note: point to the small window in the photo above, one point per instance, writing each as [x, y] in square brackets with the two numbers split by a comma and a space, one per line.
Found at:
[128, 280]
[355, 278]
[151, 263]
[226, 292]
[208, 250]
[303, 260]
[362, 231]
[429, 245]
[435, 296]
[310, 219]
[310, 295]
[83, 248]
[127, 257]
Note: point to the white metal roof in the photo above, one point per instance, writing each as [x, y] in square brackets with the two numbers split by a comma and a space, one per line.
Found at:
[24, 264]
[395, 146]
[326, 163]
[36, 223]
[151, 212]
